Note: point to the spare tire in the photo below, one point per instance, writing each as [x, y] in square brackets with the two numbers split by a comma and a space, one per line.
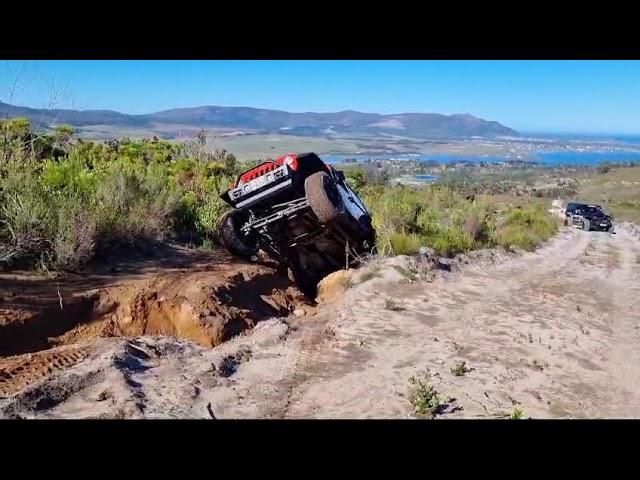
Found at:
[323, 197]
[233, 238]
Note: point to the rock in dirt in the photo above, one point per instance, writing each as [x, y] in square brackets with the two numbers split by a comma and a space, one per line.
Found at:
[334, 285]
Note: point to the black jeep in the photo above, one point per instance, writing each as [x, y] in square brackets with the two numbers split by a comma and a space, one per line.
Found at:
[301, 212]
[588, 217]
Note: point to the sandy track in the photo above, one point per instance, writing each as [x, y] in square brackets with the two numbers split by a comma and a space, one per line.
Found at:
[554, 333]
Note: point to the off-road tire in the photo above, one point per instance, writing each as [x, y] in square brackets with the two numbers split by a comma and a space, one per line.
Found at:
[305, 280]
[586, 225]
[245, 246]
[323, 197]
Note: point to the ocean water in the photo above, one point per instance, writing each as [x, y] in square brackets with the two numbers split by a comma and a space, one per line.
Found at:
[426, 178]
[587, 158]
[546, 158]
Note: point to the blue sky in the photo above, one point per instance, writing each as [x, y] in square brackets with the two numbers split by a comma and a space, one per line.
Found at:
[543, 96]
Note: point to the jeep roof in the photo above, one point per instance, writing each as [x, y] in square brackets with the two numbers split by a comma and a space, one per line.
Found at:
[575, 205]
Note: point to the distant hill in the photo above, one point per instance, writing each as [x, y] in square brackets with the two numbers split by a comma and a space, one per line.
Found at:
[256, 120]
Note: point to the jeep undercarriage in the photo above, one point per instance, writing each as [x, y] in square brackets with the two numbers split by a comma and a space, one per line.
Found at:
[302, 213]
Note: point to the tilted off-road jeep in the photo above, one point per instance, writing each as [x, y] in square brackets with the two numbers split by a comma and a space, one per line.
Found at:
[301, 212]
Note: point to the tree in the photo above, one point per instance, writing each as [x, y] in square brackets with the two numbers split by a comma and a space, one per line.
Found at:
[202, 138]
[375, 174]
[16, 128]
[356, 179]
[63, 134]
[230, 162]
[15, 135]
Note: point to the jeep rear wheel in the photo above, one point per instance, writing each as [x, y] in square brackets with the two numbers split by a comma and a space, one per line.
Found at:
[323, 197]
[233, 238]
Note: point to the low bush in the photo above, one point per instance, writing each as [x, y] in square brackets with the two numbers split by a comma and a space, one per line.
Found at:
[91, 199]
[66, 201]
[525, 227]
[401, 244]
[443, 219]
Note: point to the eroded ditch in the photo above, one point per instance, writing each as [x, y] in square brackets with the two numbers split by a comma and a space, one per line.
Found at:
[206, 307]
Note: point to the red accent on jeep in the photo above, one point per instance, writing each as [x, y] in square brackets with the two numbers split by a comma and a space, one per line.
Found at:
[290, 159]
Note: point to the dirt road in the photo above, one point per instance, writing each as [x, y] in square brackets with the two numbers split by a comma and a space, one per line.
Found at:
[554, 333]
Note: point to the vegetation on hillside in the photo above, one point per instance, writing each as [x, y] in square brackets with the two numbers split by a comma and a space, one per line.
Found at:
[441, 218]
[617, 188]
[65, 201]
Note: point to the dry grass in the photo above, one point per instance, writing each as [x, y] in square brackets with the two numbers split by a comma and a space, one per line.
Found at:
[617, 190]
[407, 273]
[391, 304]
[460, 368]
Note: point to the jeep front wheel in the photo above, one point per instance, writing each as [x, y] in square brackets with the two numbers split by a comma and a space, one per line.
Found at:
[305, 280]
[233, 238]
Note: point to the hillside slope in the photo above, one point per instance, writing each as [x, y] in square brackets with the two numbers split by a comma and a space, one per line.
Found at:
[416, 125]
[551, 333]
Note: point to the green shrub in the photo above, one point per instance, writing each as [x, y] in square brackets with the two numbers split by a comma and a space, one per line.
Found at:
[475, 225]
[134, 207]
[26, 222]
[355, 179]
[401, 243]
[68, 177]
[517, 414]
[65, 200]
[408, 273]
[75, 236]
[525, 227]
[460, 369]
[424, 398]
[448, 222]
[449, 241]
[391, 304]
[27, 217]
[208, 215]
[429, 221]
[436, 217]
[395, 209]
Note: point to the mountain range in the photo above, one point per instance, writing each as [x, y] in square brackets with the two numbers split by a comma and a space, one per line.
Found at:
[257, 120]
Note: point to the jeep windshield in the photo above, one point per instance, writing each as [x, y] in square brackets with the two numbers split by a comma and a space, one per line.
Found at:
[592, 211]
